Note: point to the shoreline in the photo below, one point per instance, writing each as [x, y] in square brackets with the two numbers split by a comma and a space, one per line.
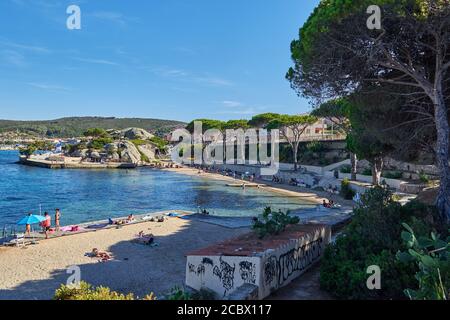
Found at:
[313, 196]
[36, 271]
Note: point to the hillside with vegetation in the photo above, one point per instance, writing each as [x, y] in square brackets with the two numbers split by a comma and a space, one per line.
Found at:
[76, 126]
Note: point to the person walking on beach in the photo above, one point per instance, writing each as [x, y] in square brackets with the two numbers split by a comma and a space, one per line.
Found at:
[47, 224]
[57, 219]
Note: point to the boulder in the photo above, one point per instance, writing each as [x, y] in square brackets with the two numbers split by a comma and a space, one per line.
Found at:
[95, 155]
[134, 133]
[129, 152]
[80, 153]
[148, 150]
[115, 156]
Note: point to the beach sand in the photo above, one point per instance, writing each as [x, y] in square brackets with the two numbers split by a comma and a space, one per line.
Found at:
[309, 195]
[36, 271]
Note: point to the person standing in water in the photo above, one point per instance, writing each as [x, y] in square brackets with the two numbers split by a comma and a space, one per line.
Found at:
[57, 219]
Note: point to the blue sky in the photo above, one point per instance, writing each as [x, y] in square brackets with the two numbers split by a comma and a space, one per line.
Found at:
[170, 59]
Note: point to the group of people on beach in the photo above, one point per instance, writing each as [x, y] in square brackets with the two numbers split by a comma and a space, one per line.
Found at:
[277, 179]
[46, 225]
[330, 204]
[129, 219]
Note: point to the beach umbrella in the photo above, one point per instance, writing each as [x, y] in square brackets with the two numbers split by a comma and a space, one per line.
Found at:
[30, 219]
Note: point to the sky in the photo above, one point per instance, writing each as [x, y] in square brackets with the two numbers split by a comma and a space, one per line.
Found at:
[167, 59]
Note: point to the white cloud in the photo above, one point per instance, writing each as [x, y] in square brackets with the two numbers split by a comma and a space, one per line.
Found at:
[114, 17]
[204, 79]
[97, 61]
[247, 111]
[213, 81]
[175, 73]
[48, 87]
[185, 50]
[232, 104]
[35, 49]
[14, 58]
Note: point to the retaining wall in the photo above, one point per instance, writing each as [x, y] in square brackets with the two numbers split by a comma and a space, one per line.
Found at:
[225, 267]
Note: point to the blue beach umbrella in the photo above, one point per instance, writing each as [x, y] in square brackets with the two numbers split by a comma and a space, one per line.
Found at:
[30, 219]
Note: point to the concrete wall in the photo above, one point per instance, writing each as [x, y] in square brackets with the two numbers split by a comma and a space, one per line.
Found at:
[269, 270]
[284, 167]
[393, 183]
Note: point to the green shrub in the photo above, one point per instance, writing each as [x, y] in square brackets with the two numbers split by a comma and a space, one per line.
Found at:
[367, 172]
[96, 132]
[75, 147]
[346, 191]
[424, 178]
[159, 142]
[315, 146]
[139, 142]
[28, 151]
[272, 223]
[393, 175]
[144, 158]
[346, 169]
[431, 254]
[177, 293]
[99, 143]
[86, 292]
[374, 238]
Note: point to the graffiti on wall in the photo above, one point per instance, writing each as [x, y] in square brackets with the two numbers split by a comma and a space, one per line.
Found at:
[247, 270]
[226, 275]
[270, 270]
[297, 259]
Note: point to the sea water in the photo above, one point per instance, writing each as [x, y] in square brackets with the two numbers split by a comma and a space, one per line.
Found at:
[91, 195]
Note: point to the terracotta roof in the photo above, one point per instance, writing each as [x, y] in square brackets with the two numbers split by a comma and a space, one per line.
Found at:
[249, 244]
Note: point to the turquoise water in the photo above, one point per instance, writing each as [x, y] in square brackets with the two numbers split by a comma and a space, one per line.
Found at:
[89, 195]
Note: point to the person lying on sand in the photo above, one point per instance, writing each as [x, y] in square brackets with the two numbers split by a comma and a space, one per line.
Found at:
[143, 238]
[104, 256]
[130, 218]
[326, 205]
[331, 204]
[157, 219]
[118, 222]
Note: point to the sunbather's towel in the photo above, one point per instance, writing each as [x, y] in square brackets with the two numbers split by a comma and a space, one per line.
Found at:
[173, 214]
[98, 226]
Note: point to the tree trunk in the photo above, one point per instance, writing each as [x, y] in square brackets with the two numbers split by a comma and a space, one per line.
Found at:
[377, 168]
[442, 157]
[295, 148]
[354, 161]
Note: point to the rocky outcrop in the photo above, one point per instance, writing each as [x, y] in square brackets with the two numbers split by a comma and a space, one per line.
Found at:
[80, 153]
[129, 152]
[123, 149]
[132, 134]
[148, 150]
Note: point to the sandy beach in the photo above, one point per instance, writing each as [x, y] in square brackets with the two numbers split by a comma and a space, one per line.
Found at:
[312, 196]
[36, 271]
